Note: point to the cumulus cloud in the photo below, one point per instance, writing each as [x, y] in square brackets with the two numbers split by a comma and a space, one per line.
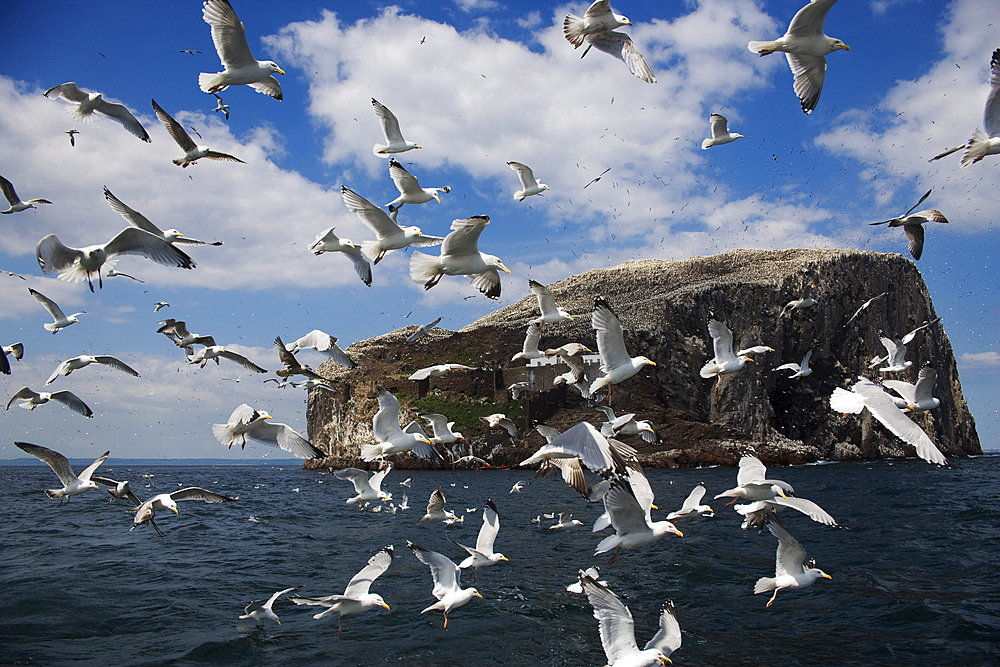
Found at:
[981, 359]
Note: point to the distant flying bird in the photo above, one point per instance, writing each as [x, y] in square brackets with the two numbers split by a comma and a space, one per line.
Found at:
[388, 233]
[72, 137]
[221, 106]
[240, 67]
[863, 306]
[913, 225]
[692, 505]
[390, 438]
[73, 485]
[422, 331]
[192, 151]
[435, 508]
[89, 103]
[111, 273]
[867, 394]
[594, 180]
[118, 490]
[409, 188]
[75, 363]
[176, 331]
[15, 202]
[368, 488]
[32, 399]
[259, 611]
[59, 319]
[805, 46]
[140, 221]
[460, 256]
[328, 241]
[550, 311]
[720, 132]
[168, 501]
[789, 571]
[160, 304]
[916, 397]
[529, 184]
[445, 573]
[565, 521]
[78, 264]
[357, 597]
[245, 422]
[483, 555]
[725, 359]
[216, 352]
[983, 143]
[324, 343]
[291, 363]
[394, 141]
[616, 364]
[618, 629]
[596, 29]
[191, 51]
[799, 370]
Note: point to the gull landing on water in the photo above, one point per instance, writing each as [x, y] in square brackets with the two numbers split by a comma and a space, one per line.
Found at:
[356, 598]
[260, 611]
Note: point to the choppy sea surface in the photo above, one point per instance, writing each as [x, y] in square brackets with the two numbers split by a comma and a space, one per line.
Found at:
[914, 571]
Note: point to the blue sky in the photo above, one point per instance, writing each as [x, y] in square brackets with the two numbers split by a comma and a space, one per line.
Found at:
[477, 84]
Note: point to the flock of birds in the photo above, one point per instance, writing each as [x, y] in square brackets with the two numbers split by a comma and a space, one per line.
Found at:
[622, 488]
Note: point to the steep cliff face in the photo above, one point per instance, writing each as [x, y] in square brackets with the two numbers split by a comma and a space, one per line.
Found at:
[664, 308]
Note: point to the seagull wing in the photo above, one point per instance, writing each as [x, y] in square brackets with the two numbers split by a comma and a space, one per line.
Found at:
[807, 507]
[991, 116]
[464, 240]
[376, 479]
[405, 182]
[694, 498]
[610, 338]
[53, 256]
[527, 178]
[915, 238]
[923, 390]
[385, 423]
[69, 92]
[546, 300]
[722, 341]
[198, 493]
[361, 266]
[55, 460]
[131, 216]
[809, 73]
[627, 516]
[751, 471]
[809, 20]
[904, 389]
[121, 114]
[621, 46]
[883, 409]
[228, 34]
[271, 600]
[490, 528]
[668, 638]
[614, 619]
[435, 504]
[374, 217]
[390, 125]
[377, 565]
[134, 241]
[115, 363]
[572, 474]
[73, 402]
[242, 361]
[599, 9]
[284, 437]
[444, 572]
[357, 477]
[788, 559]
[8, 191]
[720, 126]
[182, 138]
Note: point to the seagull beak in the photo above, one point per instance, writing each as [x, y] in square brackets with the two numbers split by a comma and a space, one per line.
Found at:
[477, 595]
[504, 268]
[653, 507]
[384, 605]
[418, 146]
[277, 621]
[845, 47]
[280, 71]
[826, 576]
[666, 661]
[505, 559]
[175, 510]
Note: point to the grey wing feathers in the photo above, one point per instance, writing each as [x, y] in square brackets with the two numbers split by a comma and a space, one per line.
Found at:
[174, 128]
[668, 637]
[198, 493]
[131, 216]
[615, 620]
[620, 45]
[377, 565]
[59, 464]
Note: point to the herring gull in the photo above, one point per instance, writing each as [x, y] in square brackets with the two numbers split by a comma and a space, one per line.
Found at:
[324, 343]
[118, 490]
[616, 364]
[597, 29]
[192, 151]
[916, 397]
[389, 234]
[789, 571]
[565, 521]
[550, 311]
[435, 508]
[59, 319]
[438, 370]
[630, 520]
[442, 428]
[483, 554]
[500, 420]
[89, 103]
[31, 399]
[805, 46]
[15, 202]
[245, 422]
[422, 330]
[145, 512]
[626, 425]
[725, 360]
[529, 184]
[83, 360]
[204, 355]
[983, 143]
[445, 573]
[391, 439]
[136, 219]
[356, 598]
[529, 349]
[368, 488]
[73, 485]
[692, 505]
[800, 369]
[394, 141]
[259, 611]
[460, 256]
[328, 241]
[409, 188]
[240, 66]
[913, 225]
[720, 132]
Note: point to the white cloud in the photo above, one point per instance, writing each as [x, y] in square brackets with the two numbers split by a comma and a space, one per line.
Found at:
[980, 359]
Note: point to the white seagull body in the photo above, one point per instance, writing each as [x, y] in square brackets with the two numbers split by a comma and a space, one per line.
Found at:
[445, 573]
[70, 365]
[550, 311]
[631, 522]
[15, 202]
[192, 151]
[529, 184]
[328, 241]
[483, 555]
[692, 505]
[357, 597]
[73, 485]
[389, 235]
[245, 422]
[422, 330]
[324, 343]
[799, 370]
[597, 29]
[145, 512]
[460, 256]
[789, 571]
[409, 188]
[725, 360]
[805, 46]
[205, 354]
[394, 141]
[369, 489]
[616, 364]
[720, 132]
[391, 439]
[435, 508]
[239, 65]
[89, 103]
[916, 397]
[529, 350]
[59, 319]
[260, 612]
[443, 429]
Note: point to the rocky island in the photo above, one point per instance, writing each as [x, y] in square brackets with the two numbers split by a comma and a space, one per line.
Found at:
[664, 308]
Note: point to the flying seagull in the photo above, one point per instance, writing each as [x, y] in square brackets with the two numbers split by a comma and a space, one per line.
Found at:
[529, 184]
[445, 573]
[799, 370]
[460, 256]
[89, 103]
[368, 488]
[983, 143]
[789, 571]
[805, 46]
[356, 598]
[325, 343]
[73, 485]
[118, 490]
[72, 137]
[863, 306]
[144, 513]
[720, 132]
[31, 399]
[916, 397]
[59, 319]
[389, 234]
[391, 439]
[239, 65]
[409, 188]
[692, 505]
[725, 359]
[328, 241]
[596, 29]
[394, 141]
[216, 352]
[291, 363]
[15, 202]
[16, 349]
[221, 106]
[422, 331]
[550, 311]
[75, 265]
[259, 611]
[483, 555]
[137, 219]
[913, 225]
[192, 151]
[435, 508]
[616, 364]
[70, 365]
[245, 422]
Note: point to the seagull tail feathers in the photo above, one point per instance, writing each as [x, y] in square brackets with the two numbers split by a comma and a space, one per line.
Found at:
[370, 452]
[763, 47]
[573, 30]
[371, 249]
[976, 149]
[764, 584]
[211, 83]
[709, 370]
[607, 544]
[54, 493]
[424, 268]
[379, 151]
[706, 144]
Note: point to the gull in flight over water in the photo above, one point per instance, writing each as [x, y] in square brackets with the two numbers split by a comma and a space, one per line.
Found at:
[239, 65]
[245, 422]
[260, 611]
[692, 505]
[145, 512]
[445, 573]
[368, 488]
[89, 103]
[916, 397]
[805, 48]
[789, 571]
[356, 598]
[391, 439]
[616, 364]
[483, 555]
[73, 485]
[15, 202]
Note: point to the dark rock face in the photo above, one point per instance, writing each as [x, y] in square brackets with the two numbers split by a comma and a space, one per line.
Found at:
[664, 308]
